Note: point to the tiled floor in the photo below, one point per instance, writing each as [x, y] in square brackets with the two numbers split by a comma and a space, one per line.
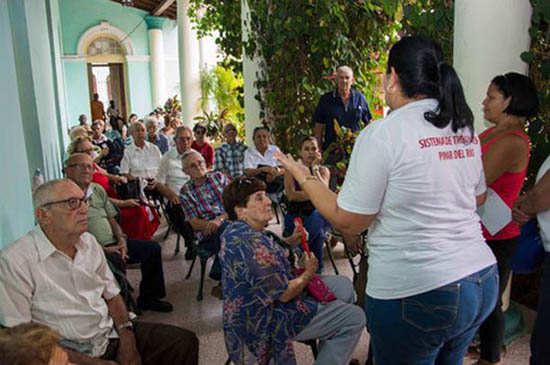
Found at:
[205, 317]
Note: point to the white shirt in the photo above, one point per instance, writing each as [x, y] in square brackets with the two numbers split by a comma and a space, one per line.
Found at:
[143, 162]
[253, 158]
[544, 216]
[42, 284]
[171, 171]
[427, 233]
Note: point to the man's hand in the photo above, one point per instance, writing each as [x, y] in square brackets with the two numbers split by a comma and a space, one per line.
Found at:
[518, 216]
[127, 352]
[112, 249]
[213, 226]
[123, 248]
[174, 198]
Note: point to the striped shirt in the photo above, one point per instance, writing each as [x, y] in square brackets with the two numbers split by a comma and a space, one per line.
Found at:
[205, 201]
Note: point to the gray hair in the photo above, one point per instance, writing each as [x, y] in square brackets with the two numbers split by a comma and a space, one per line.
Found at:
[188, 154]
[75, 142]
[181, 129]
[44, 192]
[150, 119]
[344, 68]
[135, 125]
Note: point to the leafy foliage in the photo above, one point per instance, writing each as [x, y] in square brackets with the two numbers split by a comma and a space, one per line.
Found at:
[224, 87]
[301, 44]
[538, 59]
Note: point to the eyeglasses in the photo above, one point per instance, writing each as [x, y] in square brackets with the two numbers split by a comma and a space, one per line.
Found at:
[74, 203]
[82, 166]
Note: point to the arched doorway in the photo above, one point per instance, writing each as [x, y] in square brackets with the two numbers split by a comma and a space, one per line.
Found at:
[105, 62]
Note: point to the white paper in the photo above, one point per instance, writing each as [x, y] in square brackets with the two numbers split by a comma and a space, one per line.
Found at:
[494, 214]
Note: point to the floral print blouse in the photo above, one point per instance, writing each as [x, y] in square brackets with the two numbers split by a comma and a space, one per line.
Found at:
[255, 273]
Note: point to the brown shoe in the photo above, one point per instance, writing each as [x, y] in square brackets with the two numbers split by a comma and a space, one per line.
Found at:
[217, 291]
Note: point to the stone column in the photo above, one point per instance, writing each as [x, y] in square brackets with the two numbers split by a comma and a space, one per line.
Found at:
[250, 68]
[489, 37]
[189, 62]
[156, 49]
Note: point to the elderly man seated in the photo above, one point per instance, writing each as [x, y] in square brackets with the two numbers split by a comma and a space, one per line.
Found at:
[171, 178]
[229, 157]
[202, 202]
[103, 226]
[259, 161]
[57, 275]
[159, 140]
[141, 158]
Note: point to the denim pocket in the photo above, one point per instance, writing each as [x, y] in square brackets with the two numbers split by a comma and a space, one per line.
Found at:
[434, 310]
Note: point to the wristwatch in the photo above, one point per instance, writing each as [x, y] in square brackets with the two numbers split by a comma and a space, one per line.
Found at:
[128, 324]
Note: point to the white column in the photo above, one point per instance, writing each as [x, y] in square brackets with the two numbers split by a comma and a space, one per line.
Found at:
[156, 49]
[489, 36]
[189, 61]
[250, 69]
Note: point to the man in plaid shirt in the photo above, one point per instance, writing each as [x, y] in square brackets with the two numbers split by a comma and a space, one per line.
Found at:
[229, 157]
[201, 200]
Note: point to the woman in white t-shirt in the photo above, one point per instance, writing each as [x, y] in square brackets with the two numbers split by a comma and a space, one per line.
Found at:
[415, 179]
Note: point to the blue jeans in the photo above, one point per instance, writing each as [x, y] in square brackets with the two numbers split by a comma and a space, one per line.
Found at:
[434, 327]
[317, 228]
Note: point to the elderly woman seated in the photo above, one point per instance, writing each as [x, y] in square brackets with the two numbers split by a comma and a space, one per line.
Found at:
[267, 302]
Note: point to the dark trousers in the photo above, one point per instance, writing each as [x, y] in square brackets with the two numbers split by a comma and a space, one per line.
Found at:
[148, 254]
[211, 244]
[540, 344]
[491, 331]
[177, 217]
[160, 344]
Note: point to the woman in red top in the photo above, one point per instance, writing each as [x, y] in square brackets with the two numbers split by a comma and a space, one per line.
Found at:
[135, 220]
[201, 145]
[510, 100]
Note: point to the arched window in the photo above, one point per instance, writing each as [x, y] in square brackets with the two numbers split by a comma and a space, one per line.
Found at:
[104, 46]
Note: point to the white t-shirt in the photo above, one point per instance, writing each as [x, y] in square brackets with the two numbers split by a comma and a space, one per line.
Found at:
[544, 216]
[170, 171]
[143, 162]
[422, 182]
[253, 158]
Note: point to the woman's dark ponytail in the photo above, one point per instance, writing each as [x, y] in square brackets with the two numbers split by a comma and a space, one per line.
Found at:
[417, 62]
[452, 103]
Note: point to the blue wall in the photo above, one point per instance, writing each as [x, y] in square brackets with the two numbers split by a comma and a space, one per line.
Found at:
[31, 97]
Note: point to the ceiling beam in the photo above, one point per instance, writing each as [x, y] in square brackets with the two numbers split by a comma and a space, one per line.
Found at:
[161, 7]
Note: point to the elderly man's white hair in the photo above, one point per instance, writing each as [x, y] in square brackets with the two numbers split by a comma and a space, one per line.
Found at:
[150, 119]
[344, 68]
[135, 125]
[188, 154]
[43, 194]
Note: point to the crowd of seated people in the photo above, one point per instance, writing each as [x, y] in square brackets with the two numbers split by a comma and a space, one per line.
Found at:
[60, 274]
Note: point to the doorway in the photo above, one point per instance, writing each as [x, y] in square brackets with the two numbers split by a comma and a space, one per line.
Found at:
[107, 80]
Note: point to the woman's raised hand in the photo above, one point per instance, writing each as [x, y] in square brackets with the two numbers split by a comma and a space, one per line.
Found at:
[296, 168]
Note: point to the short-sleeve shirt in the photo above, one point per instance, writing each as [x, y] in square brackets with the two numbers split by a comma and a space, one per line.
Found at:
[230, 156]
[170, 171]
[255, 273]
[205, 201]
[42, 284]
[161, 141]
[332, 107]
[422, 182]
[253, 158]
[100, 209]
[141, 161]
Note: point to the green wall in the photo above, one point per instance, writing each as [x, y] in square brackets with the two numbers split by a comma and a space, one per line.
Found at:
[79, 15]
[76, 84]
[30, 96]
